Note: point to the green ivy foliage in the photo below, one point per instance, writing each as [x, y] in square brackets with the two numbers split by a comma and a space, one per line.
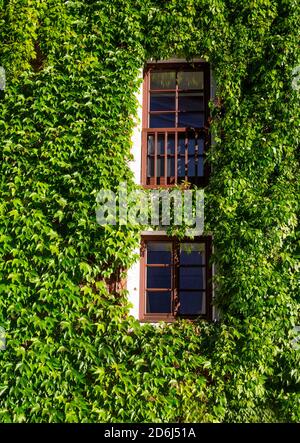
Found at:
[66, 118]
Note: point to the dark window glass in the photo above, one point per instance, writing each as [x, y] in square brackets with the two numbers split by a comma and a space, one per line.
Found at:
[158, 277]
[163, 102]
[158, 302]
[191, 146]
[200, 143]
[190, 119]
[150, 144]
[159, 253]
[171, 167]
[200, 167]
[192, 303]
[160, 167]
[190, 101]
[171, 144]
[150, 167]
[191, 167]
[181, 167]
[181, 144]
[162, 120]
[192, 278]
[192, 254]
[160, 144]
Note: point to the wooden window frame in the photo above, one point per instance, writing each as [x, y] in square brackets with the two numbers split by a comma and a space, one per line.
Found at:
[202, 132]
[170, 317]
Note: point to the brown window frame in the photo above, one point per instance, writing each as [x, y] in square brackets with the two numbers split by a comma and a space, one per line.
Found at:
[199, 133]
[171, 317]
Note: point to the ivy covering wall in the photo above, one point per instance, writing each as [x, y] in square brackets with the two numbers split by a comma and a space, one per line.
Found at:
[66, 118]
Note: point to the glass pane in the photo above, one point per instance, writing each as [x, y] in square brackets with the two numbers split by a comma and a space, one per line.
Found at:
[192, 278]
[160, 167]
[181, 167]
[150, 167]
[163, 80]
[171, 167]
[190, 101]
[192, 303]
[159, 253]
[191, 167]
[171, 143]
[159, 278]
[192, 253]
[190, 80]
[162, 120]
[181, 144]
[190, 119]
[163, 102]
[200, 143]
[200, 166]
[150, 144]
[161, 144]
[158, 302]
[191, 146]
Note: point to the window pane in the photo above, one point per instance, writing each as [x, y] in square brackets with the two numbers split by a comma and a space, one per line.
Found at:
[192, 253]
[171, 143]
[191, 167]
[160, 167]
[158, 278]
[191, 146]
[162, 120]
[171, 167]
[190, 80]
[159, 253]
[161, 144]
[190, 101]
[158, 302]
[163, 102]
[181, 144]
[192, 303]
[200, 167]
[190, 119]
[150, 144]
[200, 143]
[181, 167]
[192, 278]
[150, 167]
[163, 80]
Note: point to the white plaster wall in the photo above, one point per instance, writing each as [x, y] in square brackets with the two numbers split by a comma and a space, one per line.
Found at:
[133, 274]
[133, 287]
[136, 139]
